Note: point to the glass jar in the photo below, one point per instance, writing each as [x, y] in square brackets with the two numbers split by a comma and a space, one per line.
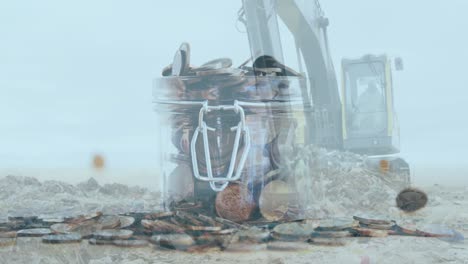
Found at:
[223, 142]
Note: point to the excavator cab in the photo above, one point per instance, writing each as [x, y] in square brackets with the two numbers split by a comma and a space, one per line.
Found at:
[370, 125]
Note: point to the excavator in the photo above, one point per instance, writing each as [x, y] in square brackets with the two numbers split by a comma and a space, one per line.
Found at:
[359, 117]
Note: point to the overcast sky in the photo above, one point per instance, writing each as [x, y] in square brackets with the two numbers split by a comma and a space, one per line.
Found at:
[76, 76]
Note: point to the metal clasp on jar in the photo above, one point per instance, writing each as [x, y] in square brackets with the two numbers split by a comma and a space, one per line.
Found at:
[218, 184]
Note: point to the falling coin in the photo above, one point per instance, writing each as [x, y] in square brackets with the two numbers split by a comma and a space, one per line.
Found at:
[35, 232]
[111, 234]
[411, 200]
[98, 162]
[62, 239]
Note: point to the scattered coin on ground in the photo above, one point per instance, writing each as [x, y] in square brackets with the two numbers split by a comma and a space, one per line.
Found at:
[245, 247]
[203, 249]
[336, 224]
[204, 228]
[62, 228]
[173, 241]
[62, 238]
[93, 241]
[226, 232]
[331, 234]
[295, 231]
[109, 221]
[445, 233]
[53, 220]
[131, 243]
[371, 221]
[9, 234]
[335, 242]
[126, 221]
[208, 239]
[159, 215]
[162, 226]
[84, 218]
[254, 235]
[87, 228]
[288, 246]
[379, 227]
[35, 232]
[365, 232]
[6, 242]
[113, 234]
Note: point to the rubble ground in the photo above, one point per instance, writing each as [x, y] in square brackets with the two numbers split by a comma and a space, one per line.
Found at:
[22, 196]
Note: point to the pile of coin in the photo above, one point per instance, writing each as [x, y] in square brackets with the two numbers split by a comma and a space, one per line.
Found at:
[217, 82]
[188, 229]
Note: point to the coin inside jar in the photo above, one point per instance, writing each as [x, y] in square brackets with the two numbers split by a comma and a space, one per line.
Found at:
[235, 203]
[215, 64]
[179, 66]
[185, 47]
[167, 71]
